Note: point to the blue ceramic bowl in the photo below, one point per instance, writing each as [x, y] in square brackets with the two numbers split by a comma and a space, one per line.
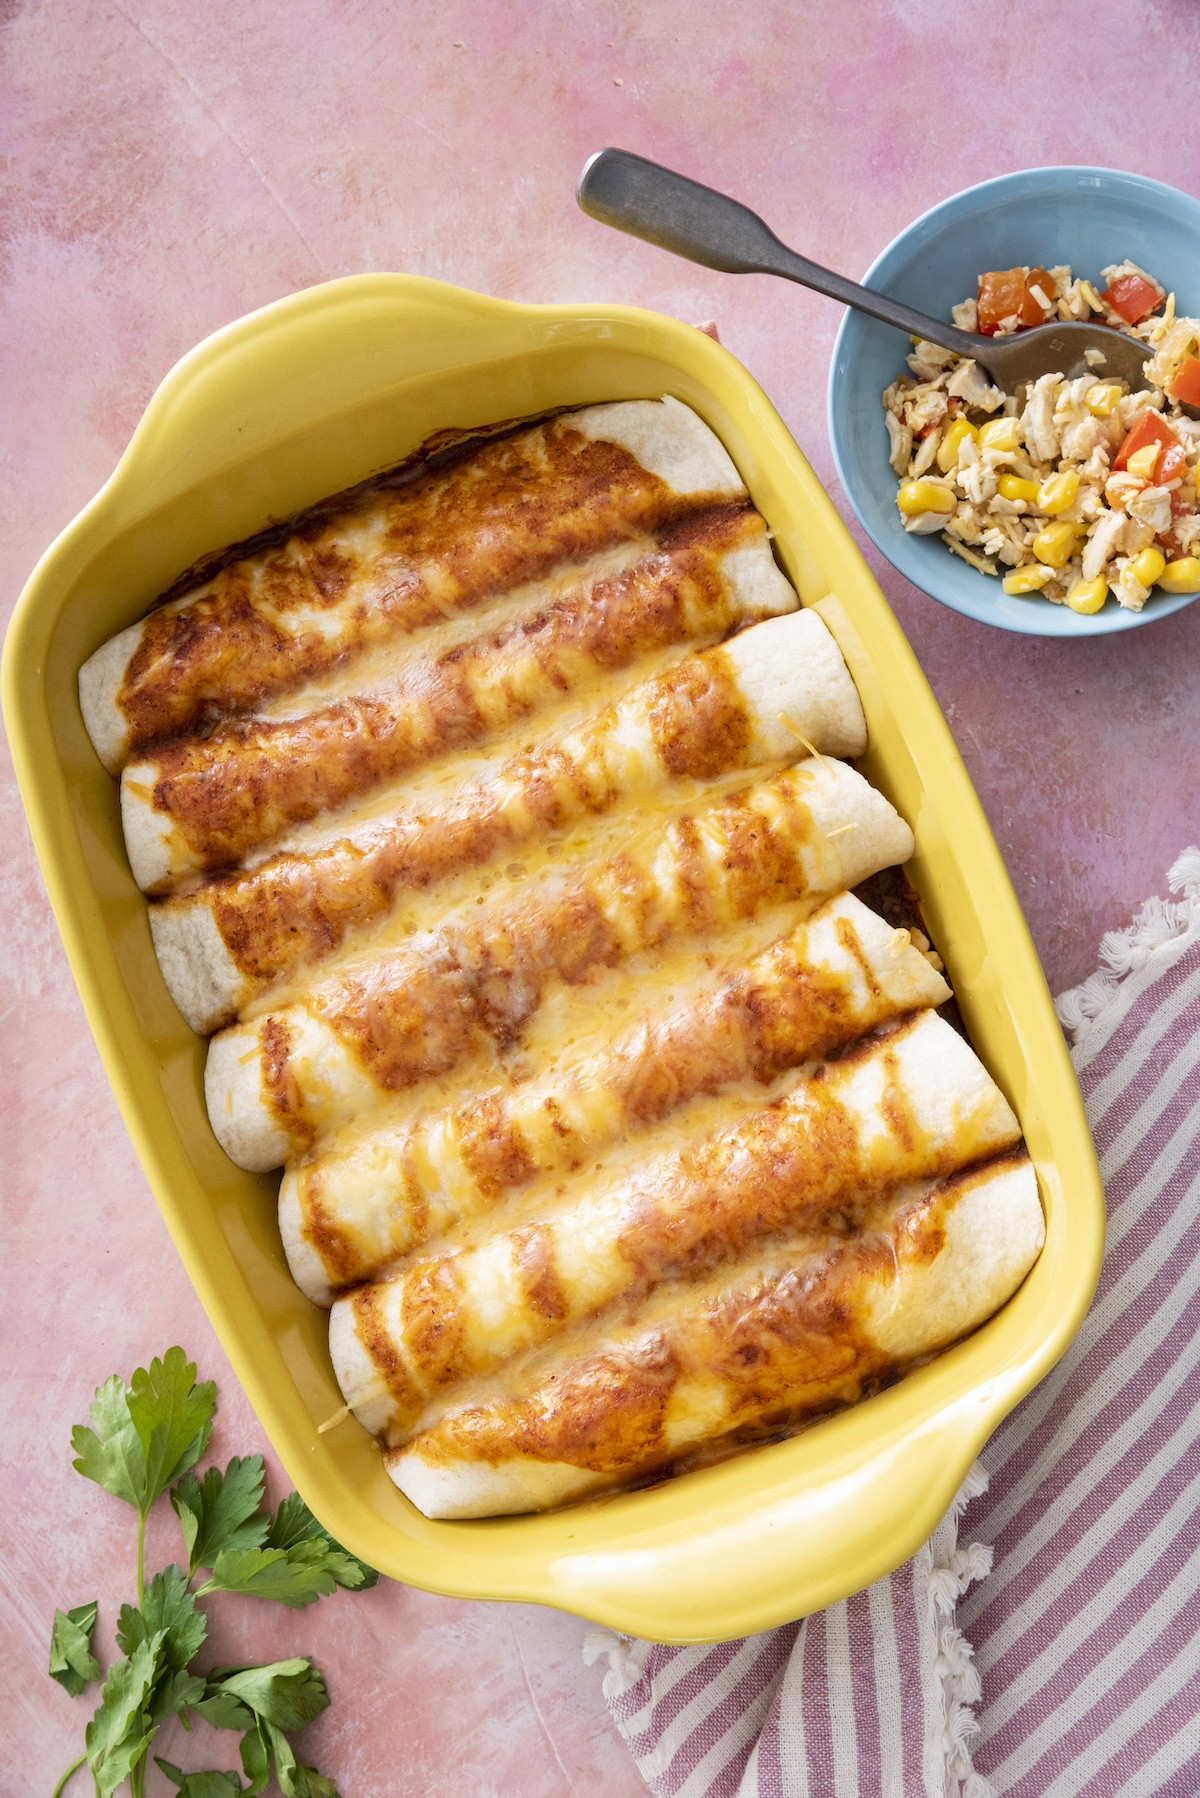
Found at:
[1086, 217]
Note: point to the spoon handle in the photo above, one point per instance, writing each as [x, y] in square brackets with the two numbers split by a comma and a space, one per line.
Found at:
[649, 201]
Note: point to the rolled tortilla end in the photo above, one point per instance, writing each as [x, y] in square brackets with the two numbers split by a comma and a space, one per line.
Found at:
[797, 689]
[668, 439]
[305, 1264]
[957, 1254]
[100, 681]
[240, 1106]
[859, 831]
[465, 1489]
[201, 975]
[158, 854]
[994, 1233]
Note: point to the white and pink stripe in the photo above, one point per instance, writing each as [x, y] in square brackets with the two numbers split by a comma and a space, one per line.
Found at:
[1087, 1631]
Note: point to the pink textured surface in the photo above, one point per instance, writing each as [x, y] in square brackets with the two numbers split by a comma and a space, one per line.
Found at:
[167, 167]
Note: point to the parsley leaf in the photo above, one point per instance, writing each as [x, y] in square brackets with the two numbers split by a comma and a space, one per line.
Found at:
[169, 1615]
[288, 1694]
[295, 1523]
[173, 1417]
[148, 1433]
[201, 1785]
[72, 1662]
[222, 1709]
[295, 1780]
[168, 1610]
[221, 1511]
[266, 1743]
[120, 1732]
[296, 1576]
[112, 1453]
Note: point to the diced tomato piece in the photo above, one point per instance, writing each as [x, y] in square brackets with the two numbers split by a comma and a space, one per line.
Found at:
[1031, 312]
[1186, 386]
[1005, 293]
[1001, 295]
[1133, 297]
[1149, 428]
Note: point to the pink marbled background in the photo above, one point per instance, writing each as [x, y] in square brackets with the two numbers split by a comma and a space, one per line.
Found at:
[167, 166]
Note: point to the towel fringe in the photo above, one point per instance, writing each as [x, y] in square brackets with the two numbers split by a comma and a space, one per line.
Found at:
[624, 1655]
[954, 1725]
[1158, 924]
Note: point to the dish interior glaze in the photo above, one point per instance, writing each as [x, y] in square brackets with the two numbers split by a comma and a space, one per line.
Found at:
[271, 414]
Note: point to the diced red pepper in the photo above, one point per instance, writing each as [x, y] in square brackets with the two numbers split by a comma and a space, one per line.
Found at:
[1005, 293]
[1150, 428]
[1133, 297]
[1185, 388]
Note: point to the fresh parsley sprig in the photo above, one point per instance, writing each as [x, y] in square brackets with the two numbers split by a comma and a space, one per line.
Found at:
[146, 1437]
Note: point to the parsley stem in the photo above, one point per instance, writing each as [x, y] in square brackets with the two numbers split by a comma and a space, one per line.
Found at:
[141, 1560]
[73, 1768]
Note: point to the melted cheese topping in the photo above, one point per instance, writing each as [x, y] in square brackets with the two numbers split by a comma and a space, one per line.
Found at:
[247, 782]
[396, 558]
[496, 840]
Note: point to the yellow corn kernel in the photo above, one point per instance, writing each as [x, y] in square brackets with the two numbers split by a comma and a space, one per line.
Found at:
[1087, 596]
[1146, 567]
[924, 496]
[1056, 544]
[1182, 576]
[947, 451]
[999, 434]
[1103, 399]
[1057, 492]
[1030, 579]
[1011, 486]
[1142, 462]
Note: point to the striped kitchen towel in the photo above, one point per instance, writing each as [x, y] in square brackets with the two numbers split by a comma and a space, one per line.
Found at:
[1084, 1514]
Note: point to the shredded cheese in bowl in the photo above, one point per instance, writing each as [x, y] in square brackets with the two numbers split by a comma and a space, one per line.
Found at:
[1071, 490]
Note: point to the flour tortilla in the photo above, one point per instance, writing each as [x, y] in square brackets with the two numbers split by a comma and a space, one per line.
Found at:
[795, 688]
[667, 438]
[909, 1105]
[901, 1309]
[214, 801]
[842, 971]
[854, 832]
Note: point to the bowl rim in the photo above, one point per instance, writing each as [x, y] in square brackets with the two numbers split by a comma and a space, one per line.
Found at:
[730, 1550]
[1039, 619]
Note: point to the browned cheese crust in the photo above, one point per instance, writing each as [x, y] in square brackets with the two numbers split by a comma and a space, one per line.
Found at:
[249, 781]
[510, 512]
[414, 1013]
[787, 1345]
[786, 1167]
[297, 907]
[755, 1023]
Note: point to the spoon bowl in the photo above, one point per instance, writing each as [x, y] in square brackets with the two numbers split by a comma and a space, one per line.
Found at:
[1062, 349]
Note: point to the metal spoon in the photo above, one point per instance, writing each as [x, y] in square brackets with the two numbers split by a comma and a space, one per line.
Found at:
[649, 201]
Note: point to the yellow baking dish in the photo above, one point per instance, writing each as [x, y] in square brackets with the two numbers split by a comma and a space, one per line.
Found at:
[298, 401]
